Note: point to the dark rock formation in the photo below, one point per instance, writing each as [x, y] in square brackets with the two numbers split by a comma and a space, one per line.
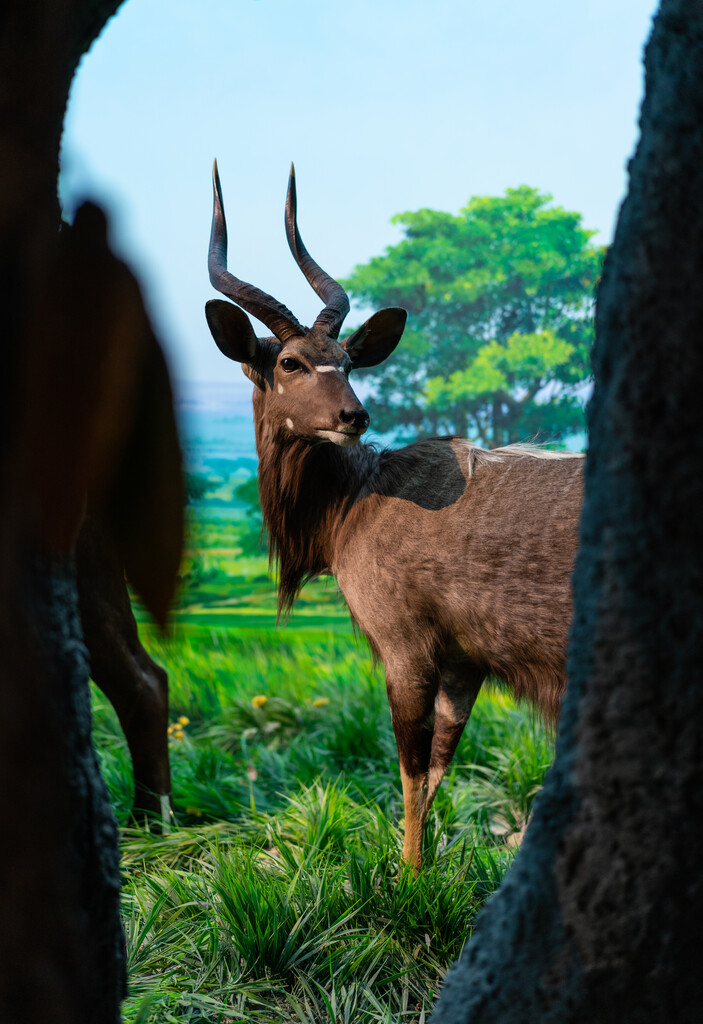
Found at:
[79, 362]
[61, 945]
[601, 918]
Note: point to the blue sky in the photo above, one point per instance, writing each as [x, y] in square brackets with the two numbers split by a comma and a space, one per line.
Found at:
[384, 105]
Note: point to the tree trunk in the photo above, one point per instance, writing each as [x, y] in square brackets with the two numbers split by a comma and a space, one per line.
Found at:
[61, 945]
[601, 917]
[74, 376]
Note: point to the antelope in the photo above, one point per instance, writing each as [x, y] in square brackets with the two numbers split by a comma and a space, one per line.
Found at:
[454, 561]
[131, 680]
[128, 504]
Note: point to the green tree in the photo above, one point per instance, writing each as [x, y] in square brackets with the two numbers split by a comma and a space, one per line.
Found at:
[500, 299]
[196, 486]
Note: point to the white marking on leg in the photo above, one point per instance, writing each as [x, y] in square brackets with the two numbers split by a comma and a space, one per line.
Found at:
[434, 778]
[289, 423]
[165, 802]
[453, 710]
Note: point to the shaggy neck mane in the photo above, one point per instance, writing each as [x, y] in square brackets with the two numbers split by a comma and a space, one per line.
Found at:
[306, 490]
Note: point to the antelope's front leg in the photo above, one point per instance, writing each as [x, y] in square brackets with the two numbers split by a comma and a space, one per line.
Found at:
[411, 706]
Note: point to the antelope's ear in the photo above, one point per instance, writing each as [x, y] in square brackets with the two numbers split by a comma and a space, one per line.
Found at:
[374, 341]
[232, 331]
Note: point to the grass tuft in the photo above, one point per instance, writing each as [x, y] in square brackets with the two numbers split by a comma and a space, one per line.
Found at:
[279, 895]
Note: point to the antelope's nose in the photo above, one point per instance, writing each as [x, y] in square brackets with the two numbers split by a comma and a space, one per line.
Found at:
[357, 418]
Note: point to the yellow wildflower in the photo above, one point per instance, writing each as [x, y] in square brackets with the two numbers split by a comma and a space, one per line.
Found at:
[258, 701]
[320, 702]
[183, 720]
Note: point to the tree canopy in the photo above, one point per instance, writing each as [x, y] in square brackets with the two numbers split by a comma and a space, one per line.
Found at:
[500, 298]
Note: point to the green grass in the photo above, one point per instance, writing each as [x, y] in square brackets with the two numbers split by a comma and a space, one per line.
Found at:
[225, 585]
[278, 894]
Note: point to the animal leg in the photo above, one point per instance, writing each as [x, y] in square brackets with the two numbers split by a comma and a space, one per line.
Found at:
[137, 688]
[411, 708]
[134, 684]
[454, 703]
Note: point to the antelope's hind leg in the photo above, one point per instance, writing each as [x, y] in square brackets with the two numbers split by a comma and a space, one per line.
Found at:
[134, 684]
[456, 696]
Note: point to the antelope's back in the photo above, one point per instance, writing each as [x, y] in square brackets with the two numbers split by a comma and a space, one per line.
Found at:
[473, 547]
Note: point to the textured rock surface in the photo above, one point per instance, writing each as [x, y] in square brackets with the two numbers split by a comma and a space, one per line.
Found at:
[61, 937]
[61, 945]
[601, 918]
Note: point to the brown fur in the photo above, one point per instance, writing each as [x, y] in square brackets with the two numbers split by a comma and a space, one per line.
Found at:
[434, 569]
[455, 562]
[134, 684]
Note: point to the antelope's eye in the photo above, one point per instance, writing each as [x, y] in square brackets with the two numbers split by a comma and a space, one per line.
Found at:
[289, 364]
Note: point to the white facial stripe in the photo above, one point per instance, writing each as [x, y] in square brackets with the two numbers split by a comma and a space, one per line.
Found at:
[329, 369]
[289, 423]
[338, 437]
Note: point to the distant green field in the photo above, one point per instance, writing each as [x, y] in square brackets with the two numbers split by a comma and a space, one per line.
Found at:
[277, 895]
[224, 587]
